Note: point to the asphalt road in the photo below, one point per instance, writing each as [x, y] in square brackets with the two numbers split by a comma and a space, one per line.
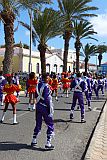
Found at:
[70, 137]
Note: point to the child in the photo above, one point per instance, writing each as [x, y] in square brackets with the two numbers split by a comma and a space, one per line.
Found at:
[32, 82]
[44, 109]
[66, 84]
[55, 87]
[9, 89]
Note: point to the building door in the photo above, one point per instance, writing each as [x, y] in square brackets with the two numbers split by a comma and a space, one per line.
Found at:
[48, 68]
[37, 68]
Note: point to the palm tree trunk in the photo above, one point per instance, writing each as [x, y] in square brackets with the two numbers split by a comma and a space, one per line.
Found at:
[86, 64]
[100, 62]
[8, 18]
[77, 60]
[100, 58]
[42, 50]
[66, 49]
[77, 47]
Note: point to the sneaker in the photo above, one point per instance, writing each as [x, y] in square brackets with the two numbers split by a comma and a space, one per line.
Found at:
[67, 96]
[78, 107]
[33, 108]
[50, 147]
[2, 104]
[1, 121]
[56, 98]
[29, 107]
[89, 108]
[34, 142]
[71, 116]
[83, 121]
[15, 123]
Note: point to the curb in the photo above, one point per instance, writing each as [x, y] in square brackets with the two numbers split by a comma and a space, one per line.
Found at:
[89, 153]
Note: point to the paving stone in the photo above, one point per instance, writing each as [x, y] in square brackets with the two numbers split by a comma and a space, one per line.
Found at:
[98, 147]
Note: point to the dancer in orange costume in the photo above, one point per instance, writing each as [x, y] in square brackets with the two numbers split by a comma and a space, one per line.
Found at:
[9, 89]
[66, 84]
[49, 81]
[55, 86]
[32, 82]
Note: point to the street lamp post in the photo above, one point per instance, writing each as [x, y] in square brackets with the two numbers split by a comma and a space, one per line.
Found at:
[30, 54]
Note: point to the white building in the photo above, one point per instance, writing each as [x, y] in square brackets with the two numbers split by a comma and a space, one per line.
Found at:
[54, 60]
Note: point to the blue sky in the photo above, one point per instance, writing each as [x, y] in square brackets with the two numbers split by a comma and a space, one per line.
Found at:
[99, 23]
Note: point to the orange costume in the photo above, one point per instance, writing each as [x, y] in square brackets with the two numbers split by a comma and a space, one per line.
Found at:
[32, 85]
[9, 89]
[49, 81]
[55, 84]
[65, 82]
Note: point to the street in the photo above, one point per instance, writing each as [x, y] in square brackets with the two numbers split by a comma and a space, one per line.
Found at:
[70, 139]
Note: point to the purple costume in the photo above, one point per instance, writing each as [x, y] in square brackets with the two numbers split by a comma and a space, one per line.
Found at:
[2, 83]
[94, 85]
[44, 108]
[88, 88]
[79, 86]
[15, 80]
[105, 83]
[100, 86]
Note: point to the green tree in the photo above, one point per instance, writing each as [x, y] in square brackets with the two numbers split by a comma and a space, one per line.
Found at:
[9, 9]
[72, 10]
[82, 30]
[46, 25]
[89, 50]
[101, 49]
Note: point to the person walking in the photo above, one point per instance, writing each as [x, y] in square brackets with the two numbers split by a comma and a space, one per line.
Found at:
[9, 89]
[78, 86]
[44, 109]
[54, 86]
[32, 82]
[2, 83]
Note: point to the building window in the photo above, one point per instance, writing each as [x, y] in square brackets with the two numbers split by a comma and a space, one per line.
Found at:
[48, 68]
[61, 68]
[55, 68]
[37, 68]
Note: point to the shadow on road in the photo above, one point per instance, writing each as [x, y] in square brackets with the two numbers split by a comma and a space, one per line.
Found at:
[7, 146]
[61, 120]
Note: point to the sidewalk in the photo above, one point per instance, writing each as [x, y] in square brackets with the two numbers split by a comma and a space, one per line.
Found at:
[98, 146]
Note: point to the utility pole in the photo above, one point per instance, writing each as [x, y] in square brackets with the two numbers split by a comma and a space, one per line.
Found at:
[30, 54]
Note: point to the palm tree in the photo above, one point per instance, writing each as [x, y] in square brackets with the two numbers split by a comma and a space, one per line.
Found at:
[89, 50]
[72, 10]
[82, 30]
[101, 49]
[46, 25]
[9, 9]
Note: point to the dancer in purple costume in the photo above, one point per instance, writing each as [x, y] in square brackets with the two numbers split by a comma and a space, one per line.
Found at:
[15, 80]
[78, 86]
[2, 83]
[94, 85]
[88, 88]
[100, 86]
[105, 82]
[89, 81]
[44, 108]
